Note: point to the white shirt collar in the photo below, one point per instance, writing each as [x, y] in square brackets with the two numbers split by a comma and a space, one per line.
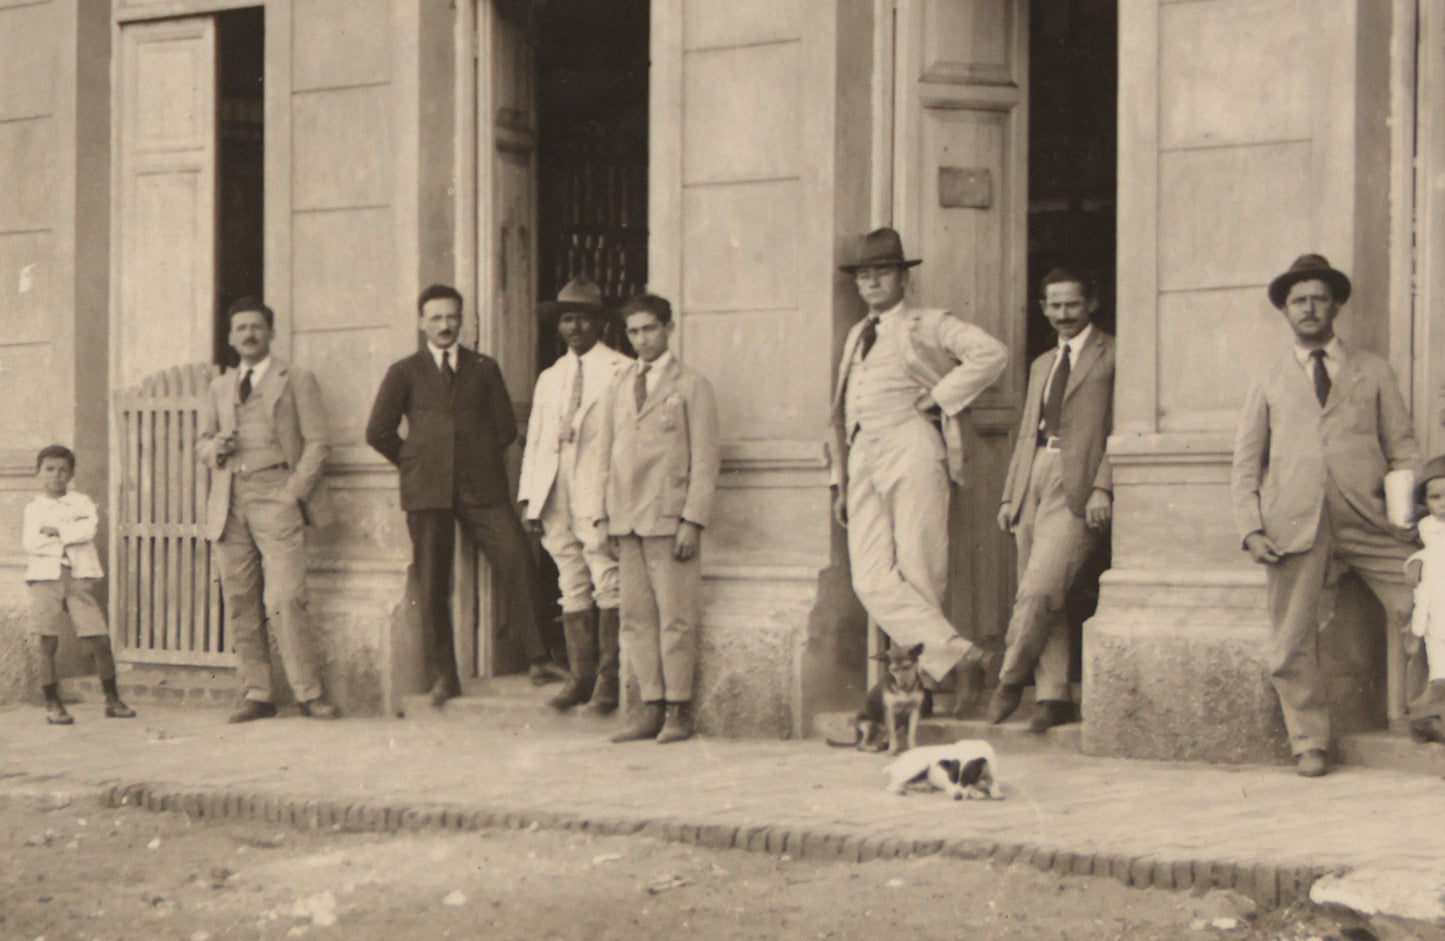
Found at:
[657, 365]
[258, 371]
[1076, 345]
[1334, 353]
[889, 314]
[436, 353]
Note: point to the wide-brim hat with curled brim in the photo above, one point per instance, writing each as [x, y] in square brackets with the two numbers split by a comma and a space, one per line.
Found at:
[881, 248]
[1309, 268]
[580, 294]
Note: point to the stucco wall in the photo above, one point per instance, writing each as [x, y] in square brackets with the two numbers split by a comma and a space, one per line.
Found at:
[1240, 149]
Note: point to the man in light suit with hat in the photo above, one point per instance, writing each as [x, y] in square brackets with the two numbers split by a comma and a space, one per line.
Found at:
[1318, 433]
[906, 376]
[263, 435]
[564, 468]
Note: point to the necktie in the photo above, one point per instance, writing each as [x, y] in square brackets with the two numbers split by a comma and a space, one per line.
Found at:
[1054, 402]
[447, 369]
[639, 385]
[868, 337]
[245, 389]
[574, 402]
[1322, 377]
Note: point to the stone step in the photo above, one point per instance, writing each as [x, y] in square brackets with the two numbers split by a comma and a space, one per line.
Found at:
[176, 685]
[1011, 736]
[1390, 750]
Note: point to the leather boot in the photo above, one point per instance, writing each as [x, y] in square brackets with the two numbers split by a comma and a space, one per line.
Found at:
[677, 726]
[648, 724]
[581, 635]
[605, 694]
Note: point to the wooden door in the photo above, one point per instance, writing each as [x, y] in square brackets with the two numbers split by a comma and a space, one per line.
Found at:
[163, 240]
[960, 200]
[506, 268]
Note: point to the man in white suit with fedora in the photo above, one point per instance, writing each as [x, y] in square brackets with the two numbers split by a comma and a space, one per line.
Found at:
[906, 376]
[1319, 431]
[263, 435]
[564, 468]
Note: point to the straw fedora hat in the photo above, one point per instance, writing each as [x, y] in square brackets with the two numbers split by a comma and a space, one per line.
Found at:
[881, 248]
[579, 294]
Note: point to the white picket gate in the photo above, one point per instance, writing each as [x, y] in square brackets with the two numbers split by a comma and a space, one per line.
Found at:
[165, 595]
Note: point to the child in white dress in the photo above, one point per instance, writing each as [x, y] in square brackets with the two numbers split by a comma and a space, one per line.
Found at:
[1427, 569]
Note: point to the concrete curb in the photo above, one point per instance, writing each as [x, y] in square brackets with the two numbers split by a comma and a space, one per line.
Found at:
[1269, 885]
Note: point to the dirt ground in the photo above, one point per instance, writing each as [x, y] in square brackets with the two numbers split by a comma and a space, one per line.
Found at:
[76, 871]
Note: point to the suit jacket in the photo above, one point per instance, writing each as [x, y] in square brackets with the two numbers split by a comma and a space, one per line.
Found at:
[1288, 447]
[664, 459]
[545, 431]
[947, 356]
[456, 438]
[298, 418]
[1084, 425]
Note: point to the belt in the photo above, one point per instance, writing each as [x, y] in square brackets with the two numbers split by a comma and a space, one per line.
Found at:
[244, 471]
[1049, 442]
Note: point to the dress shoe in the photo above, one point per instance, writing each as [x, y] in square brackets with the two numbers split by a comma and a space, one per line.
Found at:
[55, 714]
[1429, 729]
[441, 691]
[318, 708]
[252, 709]
[649, 723]
[1050, 713]
[677, 726]
[1312, 763]
[542, 672]
[115, 709]
[1004, 701]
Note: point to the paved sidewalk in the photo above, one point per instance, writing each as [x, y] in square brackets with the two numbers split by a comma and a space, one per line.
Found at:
[1261, 830]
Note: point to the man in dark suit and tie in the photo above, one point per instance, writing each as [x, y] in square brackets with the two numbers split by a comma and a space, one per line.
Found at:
[1319, 432]
[459, 424]
[1058, 497]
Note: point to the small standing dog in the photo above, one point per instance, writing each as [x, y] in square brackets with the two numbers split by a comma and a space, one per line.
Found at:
[897, 700]
[967, 769]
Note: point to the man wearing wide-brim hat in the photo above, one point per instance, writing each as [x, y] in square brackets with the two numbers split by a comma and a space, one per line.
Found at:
[906, 376]
[564, 468]
[1319, 431]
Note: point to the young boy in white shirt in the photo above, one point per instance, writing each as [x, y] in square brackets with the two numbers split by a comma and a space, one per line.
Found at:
[64, 568]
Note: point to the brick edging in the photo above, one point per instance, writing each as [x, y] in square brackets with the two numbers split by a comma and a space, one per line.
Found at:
[1269, 884]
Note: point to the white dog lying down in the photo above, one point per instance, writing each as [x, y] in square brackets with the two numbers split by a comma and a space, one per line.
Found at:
[965, 769]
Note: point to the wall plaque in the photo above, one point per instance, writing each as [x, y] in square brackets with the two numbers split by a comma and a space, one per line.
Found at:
[965, 187]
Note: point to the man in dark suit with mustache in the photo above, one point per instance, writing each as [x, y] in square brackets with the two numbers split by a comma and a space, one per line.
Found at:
[459, 424]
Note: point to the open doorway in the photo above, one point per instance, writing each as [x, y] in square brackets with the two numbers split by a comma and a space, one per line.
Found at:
[240, 161]
[1073, 185]
[592, 62]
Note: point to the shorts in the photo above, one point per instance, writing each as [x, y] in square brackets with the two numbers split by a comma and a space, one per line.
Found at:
[52, 600]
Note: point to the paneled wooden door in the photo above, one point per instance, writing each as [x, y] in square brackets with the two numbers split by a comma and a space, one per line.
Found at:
[960, 200]
[506, 273]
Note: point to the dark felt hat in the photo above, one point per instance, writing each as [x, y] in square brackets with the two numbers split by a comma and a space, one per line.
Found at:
[1309, 268]
[1435, 467]
[881, 248]
[579, 294]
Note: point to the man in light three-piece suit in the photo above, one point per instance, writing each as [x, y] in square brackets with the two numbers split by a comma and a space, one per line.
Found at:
[1318, 433]
[263, 435]
[1058, 497]
[906, 376]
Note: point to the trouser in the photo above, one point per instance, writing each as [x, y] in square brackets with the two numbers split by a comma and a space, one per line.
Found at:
[262, 560]
[1302, 585]
[52, 600]
[660, 601]
[898, 538]
[1053, 545]
[498, 533]
[586, 573]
